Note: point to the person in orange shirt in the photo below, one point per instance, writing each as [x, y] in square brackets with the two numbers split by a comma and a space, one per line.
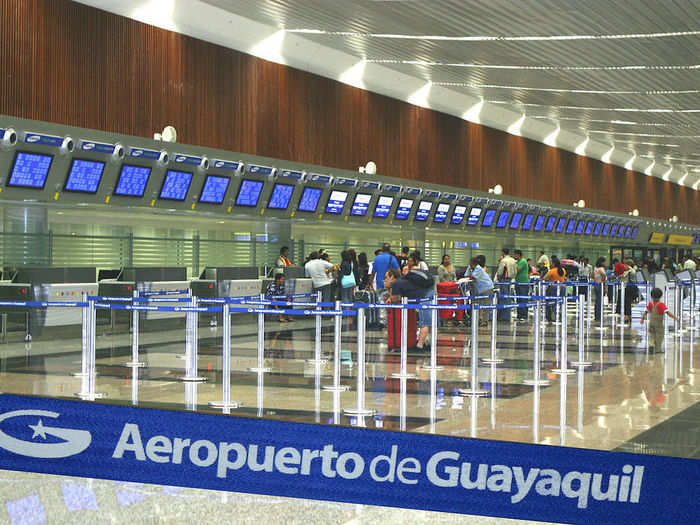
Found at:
[556, 274]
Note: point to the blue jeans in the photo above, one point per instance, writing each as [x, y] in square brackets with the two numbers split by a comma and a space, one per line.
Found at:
[522, 289]
[598, 294]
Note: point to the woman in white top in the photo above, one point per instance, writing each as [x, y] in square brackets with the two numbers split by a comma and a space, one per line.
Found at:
[420, 263]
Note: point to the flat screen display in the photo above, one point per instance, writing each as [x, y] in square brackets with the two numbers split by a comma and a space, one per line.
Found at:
[539, 223]
[84, 176]
[309, 199]
[489, 216]
[383, 206]
[580, 226]
[628, 232]
[613, 230]
[281, 196]
[621, 231]
[404, 209]
[132, 181]
[474, 215]
[635, 231]
[515, 220]
[551, 220]
[423, 210]
[176, 185]
[214, 189]
[589, 228]
[249, 193]
[570, 226]
[597, 229]
[441, 212]
[30, 170]
[606, 229]
[361, 204]
[336, 202]
[561, 224]
[458, 214]
[527, 222]
[502, 221]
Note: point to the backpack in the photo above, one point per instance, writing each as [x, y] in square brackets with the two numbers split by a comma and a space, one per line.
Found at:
[420, 278]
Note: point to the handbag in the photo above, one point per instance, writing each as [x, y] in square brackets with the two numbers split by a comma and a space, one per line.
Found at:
[348, 281]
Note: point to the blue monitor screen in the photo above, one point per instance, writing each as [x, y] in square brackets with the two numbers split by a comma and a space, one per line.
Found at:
[84, 176]
[515, 221]
[281, 196]
[336, 202]
[606, 229]
[503, 219]
[580, 226]
[473, 218]
[489, 216]
[539, 223]
[589, 228]
[635, 231]
[132, 181]
[621, 231]
[441, 212]
[613, 231]
[527, 222]
[30, 170]
[550, 223]
[249, 193]
[597, 229]
[404, 209]
[176, 185]
[214, 189]
[423, 210]
[570, 226]
[361, 204]
[309, 199]
[561, 224]
[628, 232]
[458, 214]
[383, 206]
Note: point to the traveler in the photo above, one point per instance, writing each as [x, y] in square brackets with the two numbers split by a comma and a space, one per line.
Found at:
[403, 258]
[556, 274]
[522, 282]
[346, 275]
[446, 272]
[657, 309]
[274, 289]
[363, 270]
[283, 260]
[420, 263]
[418, 284]
[382, 262]
[483, 285]
[599, 278]
[319, 271]
[542, 263]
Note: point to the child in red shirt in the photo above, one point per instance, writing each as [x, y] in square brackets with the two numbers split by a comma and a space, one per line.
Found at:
[657, 309]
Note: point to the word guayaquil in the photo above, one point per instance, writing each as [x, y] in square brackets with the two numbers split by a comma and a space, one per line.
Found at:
[443, 469]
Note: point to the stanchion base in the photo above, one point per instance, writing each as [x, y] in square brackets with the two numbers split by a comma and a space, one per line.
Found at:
[563, 371]
[601, 328]
[333, 388]
[316, 361]
[181, 356]
[225, 404]
[582, 363]
[536, 382]
[359, 411]
[403, 376]
[79, 374]
[91, 396]
[489, 361]
[133, 364]
[468, 392]
[259, 370]
[195, 379]
[436, 367]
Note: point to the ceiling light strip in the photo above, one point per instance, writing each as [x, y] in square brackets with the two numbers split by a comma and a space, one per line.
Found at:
[619, 122]
[632, 67]
[591, 108]
[558, 90]
[648, 135]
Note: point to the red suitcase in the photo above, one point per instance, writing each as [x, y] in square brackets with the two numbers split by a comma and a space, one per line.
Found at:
[448, 289]
[394, 328]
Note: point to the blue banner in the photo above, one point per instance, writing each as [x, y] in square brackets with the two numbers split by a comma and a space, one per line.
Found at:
[354, 465]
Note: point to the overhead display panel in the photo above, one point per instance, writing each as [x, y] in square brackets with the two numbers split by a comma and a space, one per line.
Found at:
[551, 221]
[309, 199]
[361, 204]
[539, 223]
[336, 202]
[675, 238]
[570, 226]
[423, 211]
[621, 231]
[249, 193]
[635, 232]
[606, 229]
[502, 221]
[404, 209]
[176, 185]
[527, 222]
[628, 232]
[214, 189]
[561, 224]
[580, 226]
[515, 220]
[613, 230]
[280, 197]
[383, 206]
[474, 215]
[589, 228]
[597, 229]
[657, 238]
[30, 170]
[489, 217]
[441, 212]
[458, 214]
[132, 181]
[84, 176]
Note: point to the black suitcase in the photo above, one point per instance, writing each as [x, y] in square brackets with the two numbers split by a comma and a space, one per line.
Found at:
[371, 314]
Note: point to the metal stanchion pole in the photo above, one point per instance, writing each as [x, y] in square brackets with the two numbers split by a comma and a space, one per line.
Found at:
[473, 391]
[564, 360]
[191, 343]
[494, 334]
[135, 336]
[581, 333]
[337, 338]
[433, 337]
[88, 380]
[536, 381]
[360, 409]
[317, 339]
[226, 402]
[85, 335]
[404, 342]
[260, 368]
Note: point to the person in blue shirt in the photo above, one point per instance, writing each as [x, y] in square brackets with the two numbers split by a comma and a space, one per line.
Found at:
[483, 285]
[382, 263]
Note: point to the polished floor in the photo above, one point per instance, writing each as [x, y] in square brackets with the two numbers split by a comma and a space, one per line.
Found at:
[626, 397]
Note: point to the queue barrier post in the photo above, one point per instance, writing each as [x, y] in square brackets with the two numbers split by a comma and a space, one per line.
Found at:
[135, 336]
[581, 334]
[564, 358]
[191, 344]
[337, 339]
[433, 337]
[403, 372]
[85, 336]
[226, 403]
[473, 391]
[87, 390]
[360, 409]
[492, 359]
[536, 381]
[317, 360]
[260, 368]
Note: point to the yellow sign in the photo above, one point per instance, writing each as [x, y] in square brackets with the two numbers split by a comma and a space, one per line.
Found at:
[657, 238]
[685, 240]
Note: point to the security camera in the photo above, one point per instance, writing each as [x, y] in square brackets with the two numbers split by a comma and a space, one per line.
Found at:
[163, 158]
[9, 138]
[118, 151]
[67, 145]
